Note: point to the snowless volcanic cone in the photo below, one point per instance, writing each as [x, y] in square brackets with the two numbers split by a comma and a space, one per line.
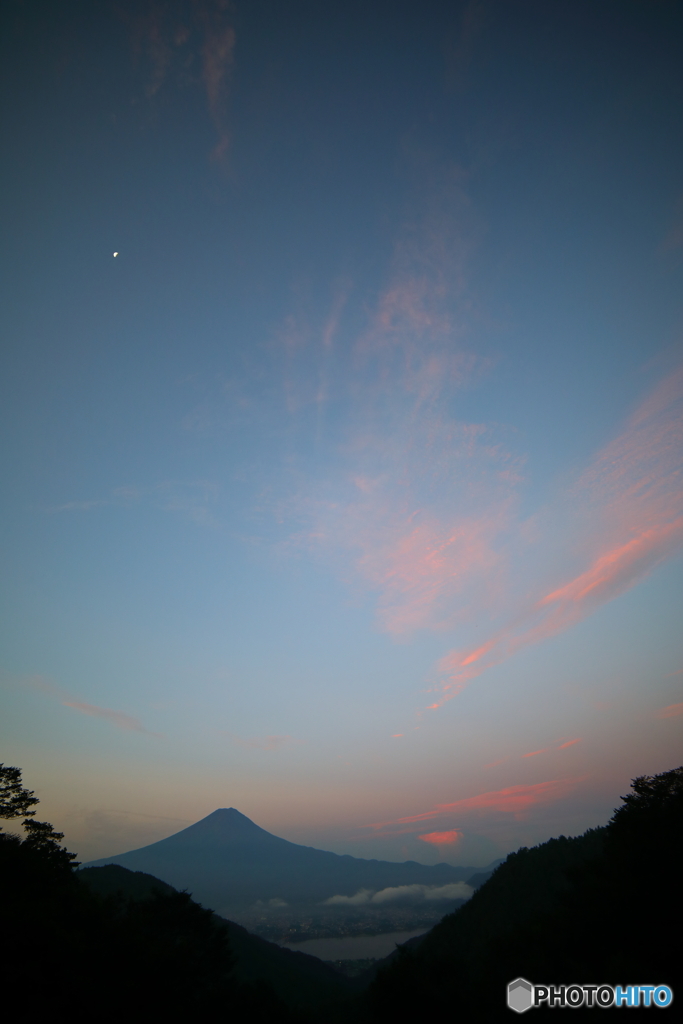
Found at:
[228, 863]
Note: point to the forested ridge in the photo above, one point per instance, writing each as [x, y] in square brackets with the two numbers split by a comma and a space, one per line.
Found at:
[107, 942]
[604, 907]
[79, 954]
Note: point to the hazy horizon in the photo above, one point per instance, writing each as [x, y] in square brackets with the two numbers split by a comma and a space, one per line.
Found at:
[116, 853]
[342, 395]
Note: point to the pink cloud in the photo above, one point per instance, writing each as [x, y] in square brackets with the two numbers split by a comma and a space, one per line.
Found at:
[617, 570]
[170, 45]
[569, 743]
[424, 568]
[609, 576]
[478, 653]
[534, 752]
[515, 800]
[431, 559]
[670, 711]
[117, 718]
[217, 60]
[423, 499]
[631, 500]
[442, 838]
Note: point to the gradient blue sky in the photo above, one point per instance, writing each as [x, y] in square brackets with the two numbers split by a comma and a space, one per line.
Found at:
[349, 493]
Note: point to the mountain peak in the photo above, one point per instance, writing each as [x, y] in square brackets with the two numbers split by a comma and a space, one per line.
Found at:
[229, 863]
[226, 814]
[224, 825]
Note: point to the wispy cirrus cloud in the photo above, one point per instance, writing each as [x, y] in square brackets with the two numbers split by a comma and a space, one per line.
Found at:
[119, 719]
[418, 500]
[533, 753]
[218, 54]
[423, 509]
[630, 500]
[425, 568]
[671, 711]
[514, 800]
[172, 39]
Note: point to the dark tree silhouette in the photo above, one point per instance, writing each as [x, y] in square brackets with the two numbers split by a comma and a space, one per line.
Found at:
[76, 955]
[602, 907]
[41, 839]
[15, 801]
[652, 814]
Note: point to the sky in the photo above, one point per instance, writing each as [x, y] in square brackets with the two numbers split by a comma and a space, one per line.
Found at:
[342, 417]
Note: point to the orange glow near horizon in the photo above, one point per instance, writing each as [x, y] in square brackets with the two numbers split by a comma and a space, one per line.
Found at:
[442, 838]
[512, 800]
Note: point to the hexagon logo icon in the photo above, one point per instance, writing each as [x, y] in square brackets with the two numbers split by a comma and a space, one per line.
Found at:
[520, 995]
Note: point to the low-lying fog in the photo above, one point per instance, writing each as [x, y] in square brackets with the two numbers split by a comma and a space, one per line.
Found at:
[395, 909]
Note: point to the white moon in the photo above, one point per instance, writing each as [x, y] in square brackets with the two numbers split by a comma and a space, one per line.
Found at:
[114, 254]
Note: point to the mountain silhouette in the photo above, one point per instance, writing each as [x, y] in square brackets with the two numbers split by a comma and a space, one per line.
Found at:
[228, 863]
[562, 909]
[300, 980]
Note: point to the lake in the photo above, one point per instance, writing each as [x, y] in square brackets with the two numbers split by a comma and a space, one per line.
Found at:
[357, 947]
